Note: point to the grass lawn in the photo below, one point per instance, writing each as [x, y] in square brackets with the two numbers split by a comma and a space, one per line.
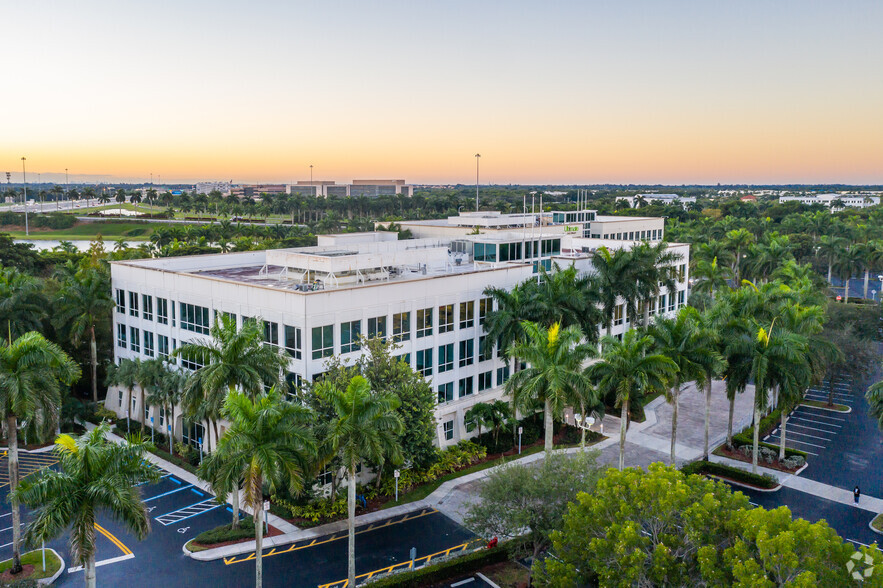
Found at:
[115, 207]
[877, 523]
[825, 405]
[35, 558]
[109, 231]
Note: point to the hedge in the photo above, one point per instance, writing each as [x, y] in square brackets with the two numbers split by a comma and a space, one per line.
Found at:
[226, 533]
[719, 469]
[49, 220]
[767, 424]
[173, 459]
[429, 575]
[746, 439]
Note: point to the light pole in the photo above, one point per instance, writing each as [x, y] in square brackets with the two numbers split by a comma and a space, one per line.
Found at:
[520, 430]
[24, 178]
[397, 473]
[311, 180]
[477, 159]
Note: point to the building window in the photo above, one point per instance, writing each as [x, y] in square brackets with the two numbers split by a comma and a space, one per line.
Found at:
[401, 326]
[148, 343]
[173, 313]
[424, 362]
[446, 392]
[162, 418]
[466, 386]
[133, 303]
[194, 318]
[162, 347]
[424, 323]
[121, 336]
[652, 303]
[617, 314]
[467, 314]
[502, 375]
[271, 333]
[448, 428]
[293, 384]
[680, 298]
[121, 301]
[485, 306]
[467, 352]
[323, 341]
[446, 318]
[377, 327]
[293, 342]
[406, 357]
[326, 477]
[162, 311]
[147, 303]
[445, 358]
[485, 381]
[662, 304]
[120, 398]
[192, 361]
[134, 339]
[349, 336]
[485, 349]
[192, 434]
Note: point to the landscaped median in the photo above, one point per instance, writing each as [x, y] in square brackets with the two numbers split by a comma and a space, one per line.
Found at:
[768, 454]
[227, 535]
[732, 474]
[32, 562]
[826, 406]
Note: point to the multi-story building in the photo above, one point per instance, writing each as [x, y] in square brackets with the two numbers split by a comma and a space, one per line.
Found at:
[208, 187]
[654, 198]
[255, 190]
[836, 201]
[426, 295]
[359, 188]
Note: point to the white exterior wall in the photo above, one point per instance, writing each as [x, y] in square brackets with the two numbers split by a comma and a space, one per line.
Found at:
[164, 278]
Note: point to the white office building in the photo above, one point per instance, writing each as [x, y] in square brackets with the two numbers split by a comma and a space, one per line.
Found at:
[208, 187]
[425, 294]
[654, 198]
[833, 201]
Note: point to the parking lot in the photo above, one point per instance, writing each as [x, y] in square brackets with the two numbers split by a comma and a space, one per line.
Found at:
[814, 430]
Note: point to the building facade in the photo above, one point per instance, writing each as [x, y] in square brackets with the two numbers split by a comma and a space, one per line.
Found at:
[426, 295]
[836, 201]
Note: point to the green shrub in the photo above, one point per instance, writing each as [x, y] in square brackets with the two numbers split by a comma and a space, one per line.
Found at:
[438, 573]
[719, 469]
[746, 439]
[226, 533]
[172, 459]
[103, 414]
[316, 511]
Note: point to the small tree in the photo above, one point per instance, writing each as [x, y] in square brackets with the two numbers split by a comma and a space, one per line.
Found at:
[491, 415]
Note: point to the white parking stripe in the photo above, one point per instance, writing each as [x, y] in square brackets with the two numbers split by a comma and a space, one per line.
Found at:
[793, 432]
[103, 562]
[790, 440]
[825, 399]
[803, 411]
[812, 428]
[823, 423]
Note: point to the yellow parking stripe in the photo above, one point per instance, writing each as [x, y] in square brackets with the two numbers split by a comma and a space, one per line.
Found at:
[335, 537]
[114, 540]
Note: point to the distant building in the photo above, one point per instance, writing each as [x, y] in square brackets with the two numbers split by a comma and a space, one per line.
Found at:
[255, 190]
[748, 198]
[208, 187]
[657, 198]
[852, 200]
[358, 188]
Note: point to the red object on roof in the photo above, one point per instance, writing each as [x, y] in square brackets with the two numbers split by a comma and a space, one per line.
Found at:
[750, 197]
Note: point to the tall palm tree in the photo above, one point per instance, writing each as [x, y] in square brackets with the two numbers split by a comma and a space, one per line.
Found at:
[95, 475]
[32, 372]
[739, 240]
[568, 298]
[365, 427]
[166, 393]
[830, 249]
[22, 303]
[491, 415]
[711, 277]
[232, 359]
[629, 370]
[269, 442]
[126, 375]
[871, 258]
[554, 377]
[84, 302]
[874, 396]
[850, 261]
[652, 267]
[681, 340]
[610, 274]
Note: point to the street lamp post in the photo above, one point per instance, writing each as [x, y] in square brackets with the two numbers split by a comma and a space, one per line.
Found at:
[520, 430]
[311, 181]
[477, 159]
[24, 177]
[67, 186]
[397, 473]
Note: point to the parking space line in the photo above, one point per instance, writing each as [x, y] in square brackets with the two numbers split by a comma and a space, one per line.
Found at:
[166, 493]
[816, 415]
[790, 440]
[812, 428]
[821, 398]
[187, 512]
[792, 432]
[103, 562]
[800, 418]
[862, 544]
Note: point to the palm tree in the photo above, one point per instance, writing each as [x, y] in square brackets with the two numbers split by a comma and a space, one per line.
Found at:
[269, 442]
[711, 277]
[610, 274]
[32, 372]
[22, 303]
[365, 426]
[232, 359]
[874, 396]
[830, 248]
[126, 375]
[89, 193]
[652, 268]
[554, 377]
[627, 371]
[567, 298]
[681, 340]
[166, 393]
[95, 475]
[84, 302]
[740, 240]
[871, 258]
[103, 198]
[120, 199]
[492, 415]
[846, 265]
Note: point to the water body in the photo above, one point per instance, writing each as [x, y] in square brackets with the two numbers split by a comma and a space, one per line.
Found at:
[47, 244]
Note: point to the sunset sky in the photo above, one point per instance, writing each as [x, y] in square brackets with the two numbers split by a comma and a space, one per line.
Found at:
[547, 91]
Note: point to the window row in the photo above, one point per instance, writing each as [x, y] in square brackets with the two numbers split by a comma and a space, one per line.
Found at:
[651, 235]
[143, 305]
[466, 386]
[446, 359]
[154, 345]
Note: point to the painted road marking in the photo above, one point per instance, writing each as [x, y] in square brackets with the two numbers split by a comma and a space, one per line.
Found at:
[821, 398]
[806, 420]
[818, 415]
[787, 441]
[334, 537]
[103, 562]
[188, 511]
[463, 582]
[405, 564]
[792, 432]
[167, 493]
[798, 425]
[863, 544]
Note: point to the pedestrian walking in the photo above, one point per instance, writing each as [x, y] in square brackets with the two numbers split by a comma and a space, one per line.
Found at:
[856, 493]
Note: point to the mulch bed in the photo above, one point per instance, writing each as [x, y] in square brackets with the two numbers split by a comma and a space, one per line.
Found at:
[737, 455]
[273, 532]
[8, 577]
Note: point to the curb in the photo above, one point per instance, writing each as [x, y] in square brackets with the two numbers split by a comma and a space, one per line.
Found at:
[871, 526]
[743, 485]
[847, 411]
[48, 581]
